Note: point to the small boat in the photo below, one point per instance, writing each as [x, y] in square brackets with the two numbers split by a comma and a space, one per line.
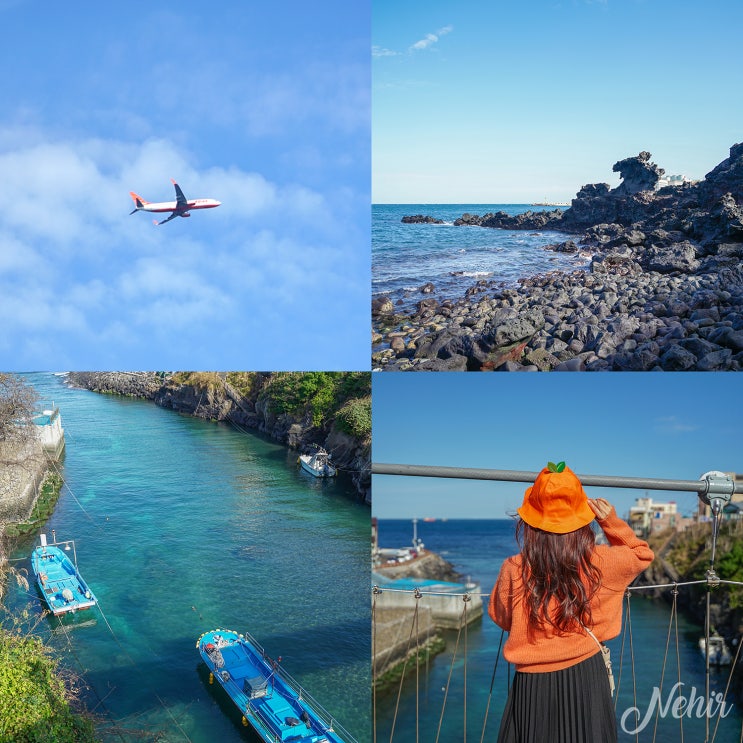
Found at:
[270, 700]
[58, 578]
[317, 464]
[719, 655]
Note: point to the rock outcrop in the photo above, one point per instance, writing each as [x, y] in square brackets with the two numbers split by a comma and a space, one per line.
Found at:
[638, 174]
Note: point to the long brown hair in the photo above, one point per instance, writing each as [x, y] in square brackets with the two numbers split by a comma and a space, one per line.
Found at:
[558, 576]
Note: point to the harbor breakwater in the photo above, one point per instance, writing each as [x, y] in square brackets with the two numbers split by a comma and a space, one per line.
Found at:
[260, 402]
[395, 643]
[664, 289]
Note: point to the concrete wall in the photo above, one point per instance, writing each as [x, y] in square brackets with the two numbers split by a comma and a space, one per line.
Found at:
[22, 469]
[392, 640]
[446, 611]
[51, 435]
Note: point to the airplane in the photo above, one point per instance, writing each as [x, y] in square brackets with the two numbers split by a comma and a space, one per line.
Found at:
[180, 207]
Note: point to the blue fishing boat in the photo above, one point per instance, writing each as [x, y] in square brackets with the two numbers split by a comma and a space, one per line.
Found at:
[58, 578]
[270, 700]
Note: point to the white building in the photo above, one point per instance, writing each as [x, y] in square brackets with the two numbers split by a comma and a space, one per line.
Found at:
[673, 180]
[647, 517]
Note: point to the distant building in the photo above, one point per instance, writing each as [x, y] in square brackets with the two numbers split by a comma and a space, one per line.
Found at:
[647, 517]
[673, 180]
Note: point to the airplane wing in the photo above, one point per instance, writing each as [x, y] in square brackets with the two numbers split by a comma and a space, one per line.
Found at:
[180, 199]
[167, 219]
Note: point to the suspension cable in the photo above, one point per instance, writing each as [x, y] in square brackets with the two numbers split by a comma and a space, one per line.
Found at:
[733, 666]
[492, 684]
[451, 669]
[402, 674]
[663, 669]
[375, 593]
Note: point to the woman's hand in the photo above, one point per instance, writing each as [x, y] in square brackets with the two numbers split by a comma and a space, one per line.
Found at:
[601, 507]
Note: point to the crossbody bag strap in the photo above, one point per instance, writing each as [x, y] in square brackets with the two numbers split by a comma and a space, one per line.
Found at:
[606, 655]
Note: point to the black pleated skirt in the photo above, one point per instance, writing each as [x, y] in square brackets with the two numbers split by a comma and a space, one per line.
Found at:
[573, 705]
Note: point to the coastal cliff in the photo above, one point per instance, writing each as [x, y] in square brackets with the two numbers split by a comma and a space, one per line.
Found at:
[664, 290]
[685, 556]
[299, 409]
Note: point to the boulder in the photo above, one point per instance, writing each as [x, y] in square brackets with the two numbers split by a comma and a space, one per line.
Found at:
[676, 257]
[382, 306]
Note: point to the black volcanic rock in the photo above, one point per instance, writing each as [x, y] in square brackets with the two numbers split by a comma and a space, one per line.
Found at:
[638, 174]
[421, 219]
[727, 177]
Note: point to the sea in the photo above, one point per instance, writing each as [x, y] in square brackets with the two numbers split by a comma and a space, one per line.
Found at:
[183, 525]
[477, 549]
[407, 256]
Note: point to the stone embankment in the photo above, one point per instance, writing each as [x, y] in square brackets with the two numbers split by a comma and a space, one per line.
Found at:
[664, 290]
[217, 400]
[23, 466]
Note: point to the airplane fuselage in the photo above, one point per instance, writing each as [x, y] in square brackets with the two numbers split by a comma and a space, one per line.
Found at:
[172, 206]
[178, 208]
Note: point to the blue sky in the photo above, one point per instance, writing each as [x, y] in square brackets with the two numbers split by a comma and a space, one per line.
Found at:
[493, 102]
[675, 426]
[263, 106]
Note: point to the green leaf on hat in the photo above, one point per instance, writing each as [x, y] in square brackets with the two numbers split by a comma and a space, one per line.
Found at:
[552, 467]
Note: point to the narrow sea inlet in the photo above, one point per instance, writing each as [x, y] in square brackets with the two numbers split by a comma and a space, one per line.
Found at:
[182, 526]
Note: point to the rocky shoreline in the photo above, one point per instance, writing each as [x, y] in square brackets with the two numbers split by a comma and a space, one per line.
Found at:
[212, 397]
[664, 290]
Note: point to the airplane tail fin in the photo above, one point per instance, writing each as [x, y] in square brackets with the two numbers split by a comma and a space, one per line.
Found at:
[139, 202]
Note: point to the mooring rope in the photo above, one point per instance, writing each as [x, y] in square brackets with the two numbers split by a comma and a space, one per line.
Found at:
[134, 664]
[101, 701]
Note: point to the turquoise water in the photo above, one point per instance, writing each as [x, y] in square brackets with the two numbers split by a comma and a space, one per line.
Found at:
[183, 525]
[477, 549]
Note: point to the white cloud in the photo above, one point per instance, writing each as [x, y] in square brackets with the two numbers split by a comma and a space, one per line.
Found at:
[672, 424]
[430, 39]
[380, 51]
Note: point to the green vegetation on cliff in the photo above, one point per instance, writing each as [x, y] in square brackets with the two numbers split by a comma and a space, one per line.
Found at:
[345, 396]
[691, 553]
[207, 381]
[34, 701]
[354, 417]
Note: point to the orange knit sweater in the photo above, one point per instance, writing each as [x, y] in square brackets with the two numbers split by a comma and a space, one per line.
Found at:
[546, 649]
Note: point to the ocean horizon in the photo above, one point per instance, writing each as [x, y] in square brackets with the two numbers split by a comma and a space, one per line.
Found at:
[453, 259]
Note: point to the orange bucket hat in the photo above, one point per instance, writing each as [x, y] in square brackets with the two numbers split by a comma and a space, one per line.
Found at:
[556, 502]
